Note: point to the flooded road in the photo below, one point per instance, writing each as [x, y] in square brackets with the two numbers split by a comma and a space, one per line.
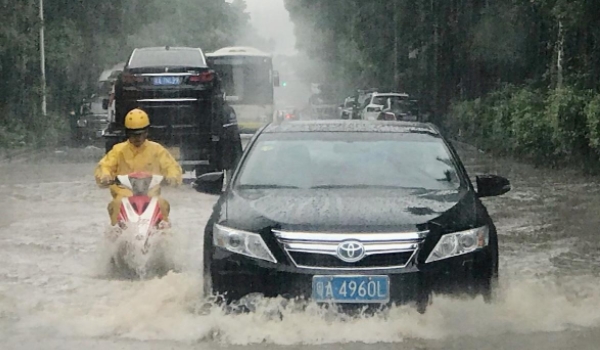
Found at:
[54, 292]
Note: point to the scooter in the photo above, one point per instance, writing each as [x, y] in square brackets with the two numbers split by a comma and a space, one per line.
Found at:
[142, 237]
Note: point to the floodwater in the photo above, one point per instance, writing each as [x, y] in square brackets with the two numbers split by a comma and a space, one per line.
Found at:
[55, 293]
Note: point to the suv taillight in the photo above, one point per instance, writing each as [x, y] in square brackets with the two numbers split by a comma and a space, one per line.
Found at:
[203, 77]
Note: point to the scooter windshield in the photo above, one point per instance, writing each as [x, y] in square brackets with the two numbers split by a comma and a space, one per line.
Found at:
[140, 186]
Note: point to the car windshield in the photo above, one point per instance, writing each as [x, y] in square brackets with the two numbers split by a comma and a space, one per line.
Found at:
[348, 159]
[172, 58]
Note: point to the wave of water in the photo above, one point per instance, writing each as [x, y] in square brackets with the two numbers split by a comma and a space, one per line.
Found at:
[172, 308]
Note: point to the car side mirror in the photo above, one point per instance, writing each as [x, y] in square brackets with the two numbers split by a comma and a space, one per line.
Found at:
[105, 103]
[492, 185]
[276, 79]
[210, 183]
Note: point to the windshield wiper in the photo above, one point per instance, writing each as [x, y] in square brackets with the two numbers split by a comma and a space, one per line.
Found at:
[263, 186]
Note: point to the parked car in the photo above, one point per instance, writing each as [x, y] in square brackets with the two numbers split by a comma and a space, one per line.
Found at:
[378, 102]
[351, 212]
[347, 108]
[92, 121]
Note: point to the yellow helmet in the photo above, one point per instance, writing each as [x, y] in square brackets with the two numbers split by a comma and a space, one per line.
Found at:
[136, 120]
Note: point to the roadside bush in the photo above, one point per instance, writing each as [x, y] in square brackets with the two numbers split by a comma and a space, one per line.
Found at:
[565, 109]
[464, 119]
[592, 114]
[530, 126]
[51, 131]
[543, 127]
[501, 112]
[11, 137]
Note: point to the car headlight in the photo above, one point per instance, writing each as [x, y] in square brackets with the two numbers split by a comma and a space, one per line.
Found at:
[459, 243]
[242, 242]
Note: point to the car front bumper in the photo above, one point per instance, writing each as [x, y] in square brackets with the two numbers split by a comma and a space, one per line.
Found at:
[238, 275]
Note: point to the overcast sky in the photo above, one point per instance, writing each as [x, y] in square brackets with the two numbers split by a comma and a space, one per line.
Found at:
[272, 20]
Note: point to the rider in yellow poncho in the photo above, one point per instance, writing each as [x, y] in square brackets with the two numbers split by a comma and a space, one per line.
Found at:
[136, 154]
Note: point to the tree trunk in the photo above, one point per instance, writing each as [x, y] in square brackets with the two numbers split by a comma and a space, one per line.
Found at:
[560, 51]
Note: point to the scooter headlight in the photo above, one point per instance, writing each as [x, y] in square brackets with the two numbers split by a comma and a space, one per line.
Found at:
[242, 242]
[459, 243]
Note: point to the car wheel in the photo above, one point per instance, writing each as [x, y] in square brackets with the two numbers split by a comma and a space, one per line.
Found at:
[489, 288]
[487, 277]
[207, 283]
[423, 303]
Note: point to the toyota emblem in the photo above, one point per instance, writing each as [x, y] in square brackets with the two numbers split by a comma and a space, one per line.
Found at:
[350, 251]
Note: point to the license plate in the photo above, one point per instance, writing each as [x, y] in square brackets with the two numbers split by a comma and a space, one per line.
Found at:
[166, 80]
[175, 152]
[351, 289]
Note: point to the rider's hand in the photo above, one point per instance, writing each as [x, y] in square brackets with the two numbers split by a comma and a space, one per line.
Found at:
[105, 180]
[171, 181]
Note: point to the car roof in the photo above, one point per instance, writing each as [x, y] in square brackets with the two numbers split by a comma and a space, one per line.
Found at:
[238, 51]
[390, 94]
[340, 125]
[164, 48]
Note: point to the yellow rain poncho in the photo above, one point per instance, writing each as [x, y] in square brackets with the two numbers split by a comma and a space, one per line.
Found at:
[125, 158]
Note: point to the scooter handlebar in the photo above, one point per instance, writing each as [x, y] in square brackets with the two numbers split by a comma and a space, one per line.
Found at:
[116, 181]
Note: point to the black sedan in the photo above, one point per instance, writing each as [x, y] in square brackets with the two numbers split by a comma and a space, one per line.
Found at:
[350, 212]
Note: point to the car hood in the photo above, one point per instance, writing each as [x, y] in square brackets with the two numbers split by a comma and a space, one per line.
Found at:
[351, 210]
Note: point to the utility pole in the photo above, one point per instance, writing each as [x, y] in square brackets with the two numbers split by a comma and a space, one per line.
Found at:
[42, 58]
[396, 48]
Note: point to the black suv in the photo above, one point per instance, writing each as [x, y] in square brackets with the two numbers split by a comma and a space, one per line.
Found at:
[351, 212]
[184, 100]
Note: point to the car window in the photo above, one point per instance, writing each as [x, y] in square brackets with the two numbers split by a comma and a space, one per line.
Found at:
[382, 100]
[173, 58]
[349, 159]
[96, 107]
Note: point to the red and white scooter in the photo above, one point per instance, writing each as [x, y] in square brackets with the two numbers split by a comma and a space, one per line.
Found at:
[141, 231]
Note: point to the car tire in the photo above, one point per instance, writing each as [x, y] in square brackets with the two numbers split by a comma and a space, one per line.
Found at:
[487, 280]
[423, 303]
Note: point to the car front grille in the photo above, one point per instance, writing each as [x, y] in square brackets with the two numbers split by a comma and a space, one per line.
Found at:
[371, 261]
[324, 250]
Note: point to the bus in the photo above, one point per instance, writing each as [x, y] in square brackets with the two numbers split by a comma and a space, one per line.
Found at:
[249, 80]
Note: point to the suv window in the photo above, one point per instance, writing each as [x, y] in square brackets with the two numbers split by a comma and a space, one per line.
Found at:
[172, 58]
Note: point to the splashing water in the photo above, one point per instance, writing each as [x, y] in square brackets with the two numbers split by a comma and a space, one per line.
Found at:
[172, 308]
[124, 253]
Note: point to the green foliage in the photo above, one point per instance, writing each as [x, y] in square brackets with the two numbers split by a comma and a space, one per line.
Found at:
[546, 127]
[565, 110]
[531, 130]
[592, 114]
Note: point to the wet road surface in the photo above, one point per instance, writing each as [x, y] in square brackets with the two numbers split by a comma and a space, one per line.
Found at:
[55, 294]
